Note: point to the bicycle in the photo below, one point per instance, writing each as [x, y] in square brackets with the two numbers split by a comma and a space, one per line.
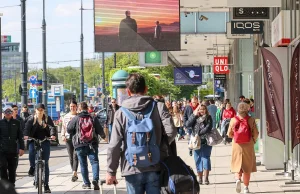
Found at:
[39, 164]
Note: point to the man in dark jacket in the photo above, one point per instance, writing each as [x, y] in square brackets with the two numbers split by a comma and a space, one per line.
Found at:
[137, 103]
[112, 108]
[24, 113]
[86, 149]
[10, 135]
[188, 111]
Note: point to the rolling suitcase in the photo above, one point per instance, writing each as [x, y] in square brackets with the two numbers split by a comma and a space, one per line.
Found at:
[101, 187]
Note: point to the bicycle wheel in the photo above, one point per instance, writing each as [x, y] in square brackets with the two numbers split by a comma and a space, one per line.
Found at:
[40, 179]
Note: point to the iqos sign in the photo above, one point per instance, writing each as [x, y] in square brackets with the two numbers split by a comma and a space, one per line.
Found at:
[247, 27]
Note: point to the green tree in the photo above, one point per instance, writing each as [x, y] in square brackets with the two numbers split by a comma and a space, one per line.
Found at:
[10, 91]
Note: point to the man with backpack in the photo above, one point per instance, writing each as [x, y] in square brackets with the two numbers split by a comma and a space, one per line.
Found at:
[84, 131]
[136, 139]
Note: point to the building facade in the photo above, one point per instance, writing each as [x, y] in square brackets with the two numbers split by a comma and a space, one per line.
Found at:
[11, 59]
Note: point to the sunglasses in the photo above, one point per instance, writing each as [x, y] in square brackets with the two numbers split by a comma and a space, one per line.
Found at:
[15, 109]
[113, 102]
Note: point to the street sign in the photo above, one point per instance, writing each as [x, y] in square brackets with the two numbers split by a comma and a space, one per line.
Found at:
[153, 59]
[221, 65]
[235, 36]
[33, 93]
[57, 90]
[85, 89]
[32, 79]
[220, 76]
[6, 38]
[51, 99]
[247, 27]
[37, 83]
[262, 13]
[92, 92]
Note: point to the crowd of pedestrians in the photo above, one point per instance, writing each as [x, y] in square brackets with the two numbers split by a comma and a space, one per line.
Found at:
[136, 130]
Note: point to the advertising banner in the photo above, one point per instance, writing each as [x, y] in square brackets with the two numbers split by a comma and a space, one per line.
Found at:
[294, 95]
[188, 76]
[137, 25]
[274, 95]
[221, 65]
[247, 27]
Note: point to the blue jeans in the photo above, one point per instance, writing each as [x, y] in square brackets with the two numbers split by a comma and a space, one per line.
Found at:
[45, 156]
[86, 152]
[109, 130]
[144, 182]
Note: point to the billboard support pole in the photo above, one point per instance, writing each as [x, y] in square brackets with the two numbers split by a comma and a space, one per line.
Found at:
[0, 68]
[115, 60]
[103, 80]
[81, 58]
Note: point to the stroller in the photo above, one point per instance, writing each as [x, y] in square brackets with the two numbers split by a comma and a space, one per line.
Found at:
[224, 130]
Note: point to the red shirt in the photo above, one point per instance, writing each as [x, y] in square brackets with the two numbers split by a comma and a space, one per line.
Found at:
[228, 114]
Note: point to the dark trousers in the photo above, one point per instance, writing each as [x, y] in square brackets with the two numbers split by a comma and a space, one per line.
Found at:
[72, 155]
[8, 166]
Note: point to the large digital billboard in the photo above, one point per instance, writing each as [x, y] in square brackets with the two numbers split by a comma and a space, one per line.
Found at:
[137, 25]
[187, 75]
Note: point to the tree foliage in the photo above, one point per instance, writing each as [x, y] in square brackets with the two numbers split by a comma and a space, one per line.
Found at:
[70, 77]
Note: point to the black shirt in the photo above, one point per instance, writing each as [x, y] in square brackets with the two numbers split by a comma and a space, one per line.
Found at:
[40, 132]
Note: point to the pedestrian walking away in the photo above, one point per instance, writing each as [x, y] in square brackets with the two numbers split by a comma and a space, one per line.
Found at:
[244, 132]
[66, 137]
[84, 131]
[38, 127]
[140, 167]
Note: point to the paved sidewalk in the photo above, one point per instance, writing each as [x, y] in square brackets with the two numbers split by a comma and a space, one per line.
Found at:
[222, 181]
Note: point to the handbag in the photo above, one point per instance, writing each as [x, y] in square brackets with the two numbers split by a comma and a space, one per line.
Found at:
[195, 142]
[213, 138]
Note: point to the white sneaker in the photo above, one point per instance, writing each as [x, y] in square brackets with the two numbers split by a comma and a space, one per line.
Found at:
[246, 190]
[238, 187]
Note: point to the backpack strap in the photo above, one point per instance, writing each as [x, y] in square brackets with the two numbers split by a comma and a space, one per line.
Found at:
[151, 110]
[127, 114]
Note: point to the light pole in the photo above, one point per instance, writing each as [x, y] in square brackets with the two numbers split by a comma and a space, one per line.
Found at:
[44, 80]
[24, 68]
[103, 80]
[0, 66]
[81, 58]
[81, 55]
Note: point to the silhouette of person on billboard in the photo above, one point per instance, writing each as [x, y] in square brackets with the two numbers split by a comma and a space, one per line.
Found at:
[128, 33]
[157, 31]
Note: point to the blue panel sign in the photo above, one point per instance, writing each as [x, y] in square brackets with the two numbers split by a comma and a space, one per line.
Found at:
[33, 93]
[85, 89]
[188, 76]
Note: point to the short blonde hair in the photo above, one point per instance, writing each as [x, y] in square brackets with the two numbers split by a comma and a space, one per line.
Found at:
[243, 108]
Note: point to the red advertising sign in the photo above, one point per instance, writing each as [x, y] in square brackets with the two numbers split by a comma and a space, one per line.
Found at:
[221, 65]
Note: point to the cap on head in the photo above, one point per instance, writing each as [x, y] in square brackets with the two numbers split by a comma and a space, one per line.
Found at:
[40, 105]
[7, 110]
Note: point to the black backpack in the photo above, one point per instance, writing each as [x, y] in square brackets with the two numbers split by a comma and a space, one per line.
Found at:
[177, 178]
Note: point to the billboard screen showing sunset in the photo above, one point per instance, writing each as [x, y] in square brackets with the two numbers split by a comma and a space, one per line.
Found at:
[137, 25]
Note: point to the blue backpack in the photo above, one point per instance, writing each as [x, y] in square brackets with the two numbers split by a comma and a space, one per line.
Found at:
[142, 150]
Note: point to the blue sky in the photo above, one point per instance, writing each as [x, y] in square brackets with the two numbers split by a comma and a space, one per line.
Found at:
[63, 29]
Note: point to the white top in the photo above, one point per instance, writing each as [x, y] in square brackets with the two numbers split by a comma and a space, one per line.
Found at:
[67, 118]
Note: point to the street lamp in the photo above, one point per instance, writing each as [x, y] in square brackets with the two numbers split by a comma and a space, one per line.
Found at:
[24, 66]
[81, 55]
[44, 80]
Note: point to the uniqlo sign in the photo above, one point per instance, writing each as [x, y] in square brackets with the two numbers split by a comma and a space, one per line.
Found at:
[221, 65]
